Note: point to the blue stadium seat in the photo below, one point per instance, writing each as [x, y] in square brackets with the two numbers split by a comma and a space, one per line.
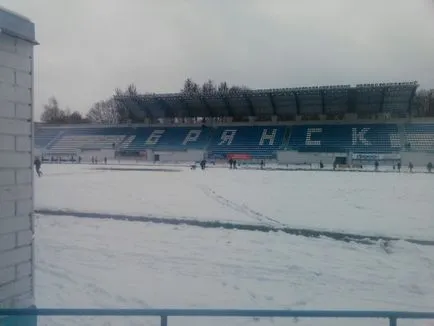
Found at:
[74, 139]
[258, 142]
[357, 138]
[175, 138]
[420, 137]
[43, 136]
[135, 142]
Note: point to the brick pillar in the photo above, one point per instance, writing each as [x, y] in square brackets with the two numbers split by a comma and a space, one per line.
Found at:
[16, 165]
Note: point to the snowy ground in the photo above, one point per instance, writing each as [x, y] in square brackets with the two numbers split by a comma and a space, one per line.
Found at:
[108, 263]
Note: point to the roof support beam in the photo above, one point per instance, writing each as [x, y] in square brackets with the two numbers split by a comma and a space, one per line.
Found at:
[410, 101]
[138, 107]
[323, 105]
[210, 112]
[250, 105]
[228, 106]
[297, 102]
[273, 105]
[168, 111]
[383, 95]
[186, 107]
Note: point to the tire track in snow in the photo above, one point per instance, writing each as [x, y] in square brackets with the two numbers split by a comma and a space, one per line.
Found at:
[309, 233]
[243, 209]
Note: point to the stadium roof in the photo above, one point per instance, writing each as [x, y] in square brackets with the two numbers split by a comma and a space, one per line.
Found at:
[394, 98]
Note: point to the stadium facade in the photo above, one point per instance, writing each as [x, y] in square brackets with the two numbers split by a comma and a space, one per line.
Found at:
[349, 125]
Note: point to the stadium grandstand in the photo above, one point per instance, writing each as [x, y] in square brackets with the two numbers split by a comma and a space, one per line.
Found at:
[365, 123]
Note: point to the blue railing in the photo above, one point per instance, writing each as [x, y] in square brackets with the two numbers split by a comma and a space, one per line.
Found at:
[164, 314]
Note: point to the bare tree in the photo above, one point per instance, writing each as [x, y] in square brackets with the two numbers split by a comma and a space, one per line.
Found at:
[104, 112]
[76, 117]
[52, 113]
[238, 89]
[124, 113]
[131, 90]
[190, 88]
[223, 88]
[128, 102]
[208, 88]
[423, 103]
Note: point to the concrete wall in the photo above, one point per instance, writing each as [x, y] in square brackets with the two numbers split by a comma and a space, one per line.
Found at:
[110, 154]
[294, 157]
[418, 159]
[191, 155]
[16, 173]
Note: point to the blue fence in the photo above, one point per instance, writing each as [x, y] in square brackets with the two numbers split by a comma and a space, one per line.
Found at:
[164, 314]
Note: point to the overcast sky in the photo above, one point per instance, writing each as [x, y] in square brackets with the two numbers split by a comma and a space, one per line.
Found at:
[90, 47]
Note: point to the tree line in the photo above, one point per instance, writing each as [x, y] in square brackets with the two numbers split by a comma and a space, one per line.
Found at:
[112, 111]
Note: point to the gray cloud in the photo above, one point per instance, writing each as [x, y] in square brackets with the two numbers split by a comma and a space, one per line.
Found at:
[88, 48]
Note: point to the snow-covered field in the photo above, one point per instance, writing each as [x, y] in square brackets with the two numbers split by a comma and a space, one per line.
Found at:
[107, 263]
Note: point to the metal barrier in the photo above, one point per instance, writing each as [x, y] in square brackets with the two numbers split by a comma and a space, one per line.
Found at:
[163, 314]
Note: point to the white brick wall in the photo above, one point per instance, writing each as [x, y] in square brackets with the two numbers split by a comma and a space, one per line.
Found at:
[16, 174]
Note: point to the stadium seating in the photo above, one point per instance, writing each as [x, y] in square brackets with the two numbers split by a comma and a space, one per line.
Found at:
[176, 138]
[43, 136]
[341, 102]
[258, 142]
[420, 137]
[128, 139]
[73, 139]
[374, 138]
